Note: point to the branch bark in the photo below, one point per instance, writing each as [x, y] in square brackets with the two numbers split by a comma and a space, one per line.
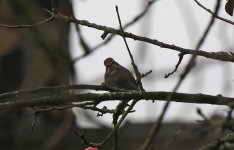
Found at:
[100, 97]
[221, 55]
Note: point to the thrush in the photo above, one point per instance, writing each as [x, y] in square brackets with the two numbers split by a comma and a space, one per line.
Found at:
[117, 76]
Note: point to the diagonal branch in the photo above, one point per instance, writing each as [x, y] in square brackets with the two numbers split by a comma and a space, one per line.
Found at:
[222, 56]
[134, 20]
[138, 74]
[154, 130]
[215, 15]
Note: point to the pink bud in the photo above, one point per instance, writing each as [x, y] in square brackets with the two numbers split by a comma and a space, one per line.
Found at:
[91, 148]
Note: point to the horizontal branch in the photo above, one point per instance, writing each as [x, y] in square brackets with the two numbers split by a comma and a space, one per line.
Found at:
[51, 90]
[100, 97]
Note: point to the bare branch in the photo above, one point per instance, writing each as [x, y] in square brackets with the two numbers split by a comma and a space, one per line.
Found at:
[216, 16]
[55, 89]
[83, 43]
[134, 20]
[222, 56]
[138, 74]
[119, 123]
[181, 56]
[154, 130]
[81, 135]
[85, 105]
[34, 121]
[124, 96]
[52, 17]
[146, 74]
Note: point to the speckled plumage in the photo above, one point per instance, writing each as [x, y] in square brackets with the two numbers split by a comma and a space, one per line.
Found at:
[118, 77]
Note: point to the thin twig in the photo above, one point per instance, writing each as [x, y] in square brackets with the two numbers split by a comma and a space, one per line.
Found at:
[53, 16]
[138, 74]
[181, 56]
[220, 55]
[81, 135]
[85, 105]
[125, 41]
[216, 16]
[202, 39]
[146, 74]
[119, 122]
[107, 40]
[34, 121]
[199, 112]
[154, 130]
[82, 41]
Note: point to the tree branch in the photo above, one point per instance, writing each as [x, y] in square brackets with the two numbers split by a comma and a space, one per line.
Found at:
[222, 56]
[215, 15]
[125, 96]
[55, 90]
[137, 72]
[133, 21]
[52, 16]
[154, 130]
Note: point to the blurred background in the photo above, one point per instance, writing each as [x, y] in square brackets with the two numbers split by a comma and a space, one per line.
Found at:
[59, 53]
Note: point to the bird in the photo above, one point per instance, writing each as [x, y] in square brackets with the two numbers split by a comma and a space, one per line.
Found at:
[117, 76]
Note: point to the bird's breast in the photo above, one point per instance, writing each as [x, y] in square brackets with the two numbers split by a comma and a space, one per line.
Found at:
[112, 72]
